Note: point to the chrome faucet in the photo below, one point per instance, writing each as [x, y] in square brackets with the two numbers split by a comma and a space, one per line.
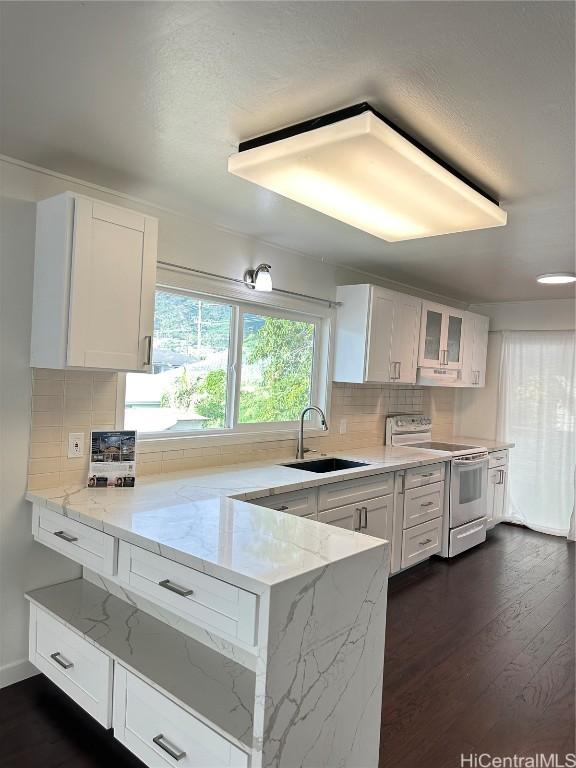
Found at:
[300, 450]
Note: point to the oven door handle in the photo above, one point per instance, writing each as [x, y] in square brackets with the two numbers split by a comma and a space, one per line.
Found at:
[469, 462]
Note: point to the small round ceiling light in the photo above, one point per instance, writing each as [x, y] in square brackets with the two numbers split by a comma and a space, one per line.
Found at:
[557, 278]
[260, 278]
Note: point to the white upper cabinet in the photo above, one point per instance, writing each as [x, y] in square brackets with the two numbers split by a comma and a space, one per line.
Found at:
[94, 284]
[441, 337]
[475, 350]
[377, 335]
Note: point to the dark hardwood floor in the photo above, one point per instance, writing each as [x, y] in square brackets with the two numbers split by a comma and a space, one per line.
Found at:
[479, 658]
[480, 654]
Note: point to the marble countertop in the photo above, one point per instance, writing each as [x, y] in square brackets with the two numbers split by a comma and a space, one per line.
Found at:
[190, 516]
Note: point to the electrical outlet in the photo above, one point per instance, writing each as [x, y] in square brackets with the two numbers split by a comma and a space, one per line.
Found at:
[75, 445]
[343, 426]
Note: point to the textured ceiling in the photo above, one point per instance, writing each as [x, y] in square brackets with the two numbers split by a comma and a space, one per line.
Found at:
[151, 98]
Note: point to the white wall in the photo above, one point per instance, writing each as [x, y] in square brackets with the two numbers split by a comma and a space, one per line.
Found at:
[476, 409]
[23, 564]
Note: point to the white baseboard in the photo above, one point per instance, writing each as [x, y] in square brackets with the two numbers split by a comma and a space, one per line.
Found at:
[16, 671]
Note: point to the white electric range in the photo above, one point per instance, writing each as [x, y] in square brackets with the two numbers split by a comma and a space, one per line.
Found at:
[466, 481]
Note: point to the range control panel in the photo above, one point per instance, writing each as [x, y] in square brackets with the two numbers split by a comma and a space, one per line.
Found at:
[407, 424]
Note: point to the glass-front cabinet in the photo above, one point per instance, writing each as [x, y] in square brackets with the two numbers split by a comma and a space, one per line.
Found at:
[440, 337]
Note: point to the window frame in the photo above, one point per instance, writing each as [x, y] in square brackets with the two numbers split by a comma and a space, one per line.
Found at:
[303, 311]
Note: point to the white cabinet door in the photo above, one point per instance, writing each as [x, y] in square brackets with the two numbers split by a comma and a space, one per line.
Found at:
[500, 495]
[378, 349]
[475, 350]
[497, 482]
[441, 337]
[112, 288]
[431, 335]
[405, 338]
[377, 335]
[94, 285]
[343, 517]
[378, 518]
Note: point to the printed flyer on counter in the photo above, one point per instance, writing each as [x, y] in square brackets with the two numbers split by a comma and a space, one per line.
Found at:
[112, 459]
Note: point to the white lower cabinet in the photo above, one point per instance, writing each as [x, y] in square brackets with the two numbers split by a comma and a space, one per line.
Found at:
[195, 596]
[81, 543]
[76, 666]
[161, 733]
[497, 485]
[423, 504]
[301, 503]
[373, 516]
[421, 542]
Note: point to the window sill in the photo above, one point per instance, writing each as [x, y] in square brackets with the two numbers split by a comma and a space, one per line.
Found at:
[176, 443]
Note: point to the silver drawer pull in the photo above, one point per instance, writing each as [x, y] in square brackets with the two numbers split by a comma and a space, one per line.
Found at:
[59, 659]
[182, 591]
[427, 504]
[171, 749]
[428, 474]
[426, 541]
[283, 508]
[66, 536]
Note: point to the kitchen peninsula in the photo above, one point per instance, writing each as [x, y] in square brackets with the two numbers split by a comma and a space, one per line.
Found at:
[225, 628]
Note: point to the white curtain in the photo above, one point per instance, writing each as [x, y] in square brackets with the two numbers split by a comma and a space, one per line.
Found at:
[536, 411]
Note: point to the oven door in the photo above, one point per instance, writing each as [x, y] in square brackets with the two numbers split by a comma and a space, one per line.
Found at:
[468, 490]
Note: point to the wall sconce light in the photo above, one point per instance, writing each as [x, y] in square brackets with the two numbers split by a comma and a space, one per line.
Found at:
[260, 278]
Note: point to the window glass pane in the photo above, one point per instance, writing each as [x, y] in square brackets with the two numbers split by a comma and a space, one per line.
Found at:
[187, 390]
[454, 334]
[433, 332]
[277, 359]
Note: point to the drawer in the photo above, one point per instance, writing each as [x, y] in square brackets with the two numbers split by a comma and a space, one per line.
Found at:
[421, 541]
[467, 536]
[498, 459]
[195, 596]
[87, 546]
[73, 664]
[350, 491]
[432, 473]
[302, 503]
[423, 503]
[161, 733]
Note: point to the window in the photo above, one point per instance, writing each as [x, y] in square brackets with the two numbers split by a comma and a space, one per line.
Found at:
[222, 365]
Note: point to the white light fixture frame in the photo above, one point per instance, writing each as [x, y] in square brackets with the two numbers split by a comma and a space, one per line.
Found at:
[557, 278]
[356, 166]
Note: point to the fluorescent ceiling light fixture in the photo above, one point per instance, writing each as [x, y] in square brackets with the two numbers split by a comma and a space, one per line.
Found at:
[557, 278]
[357, 167]
[260, 278]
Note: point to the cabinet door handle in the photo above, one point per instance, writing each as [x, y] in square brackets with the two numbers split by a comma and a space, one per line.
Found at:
[169, 748]
[66, 536]
[426, 541]
[399, 364]
[182, 591]
[358, 519]
[61, 660]
[500, 477]
[365, 517]
[427, 474]
[283, 508]
[148, 342]
[427, 504]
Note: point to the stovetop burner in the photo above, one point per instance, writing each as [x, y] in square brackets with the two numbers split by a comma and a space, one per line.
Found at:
[437, 446]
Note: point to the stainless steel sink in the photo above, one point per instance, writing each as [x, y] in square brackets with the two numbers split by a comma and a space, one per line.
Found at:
[329, 464]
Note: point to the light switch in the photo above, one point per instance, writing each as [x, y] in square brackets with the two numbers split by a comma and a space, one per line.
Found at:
[75, 445]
